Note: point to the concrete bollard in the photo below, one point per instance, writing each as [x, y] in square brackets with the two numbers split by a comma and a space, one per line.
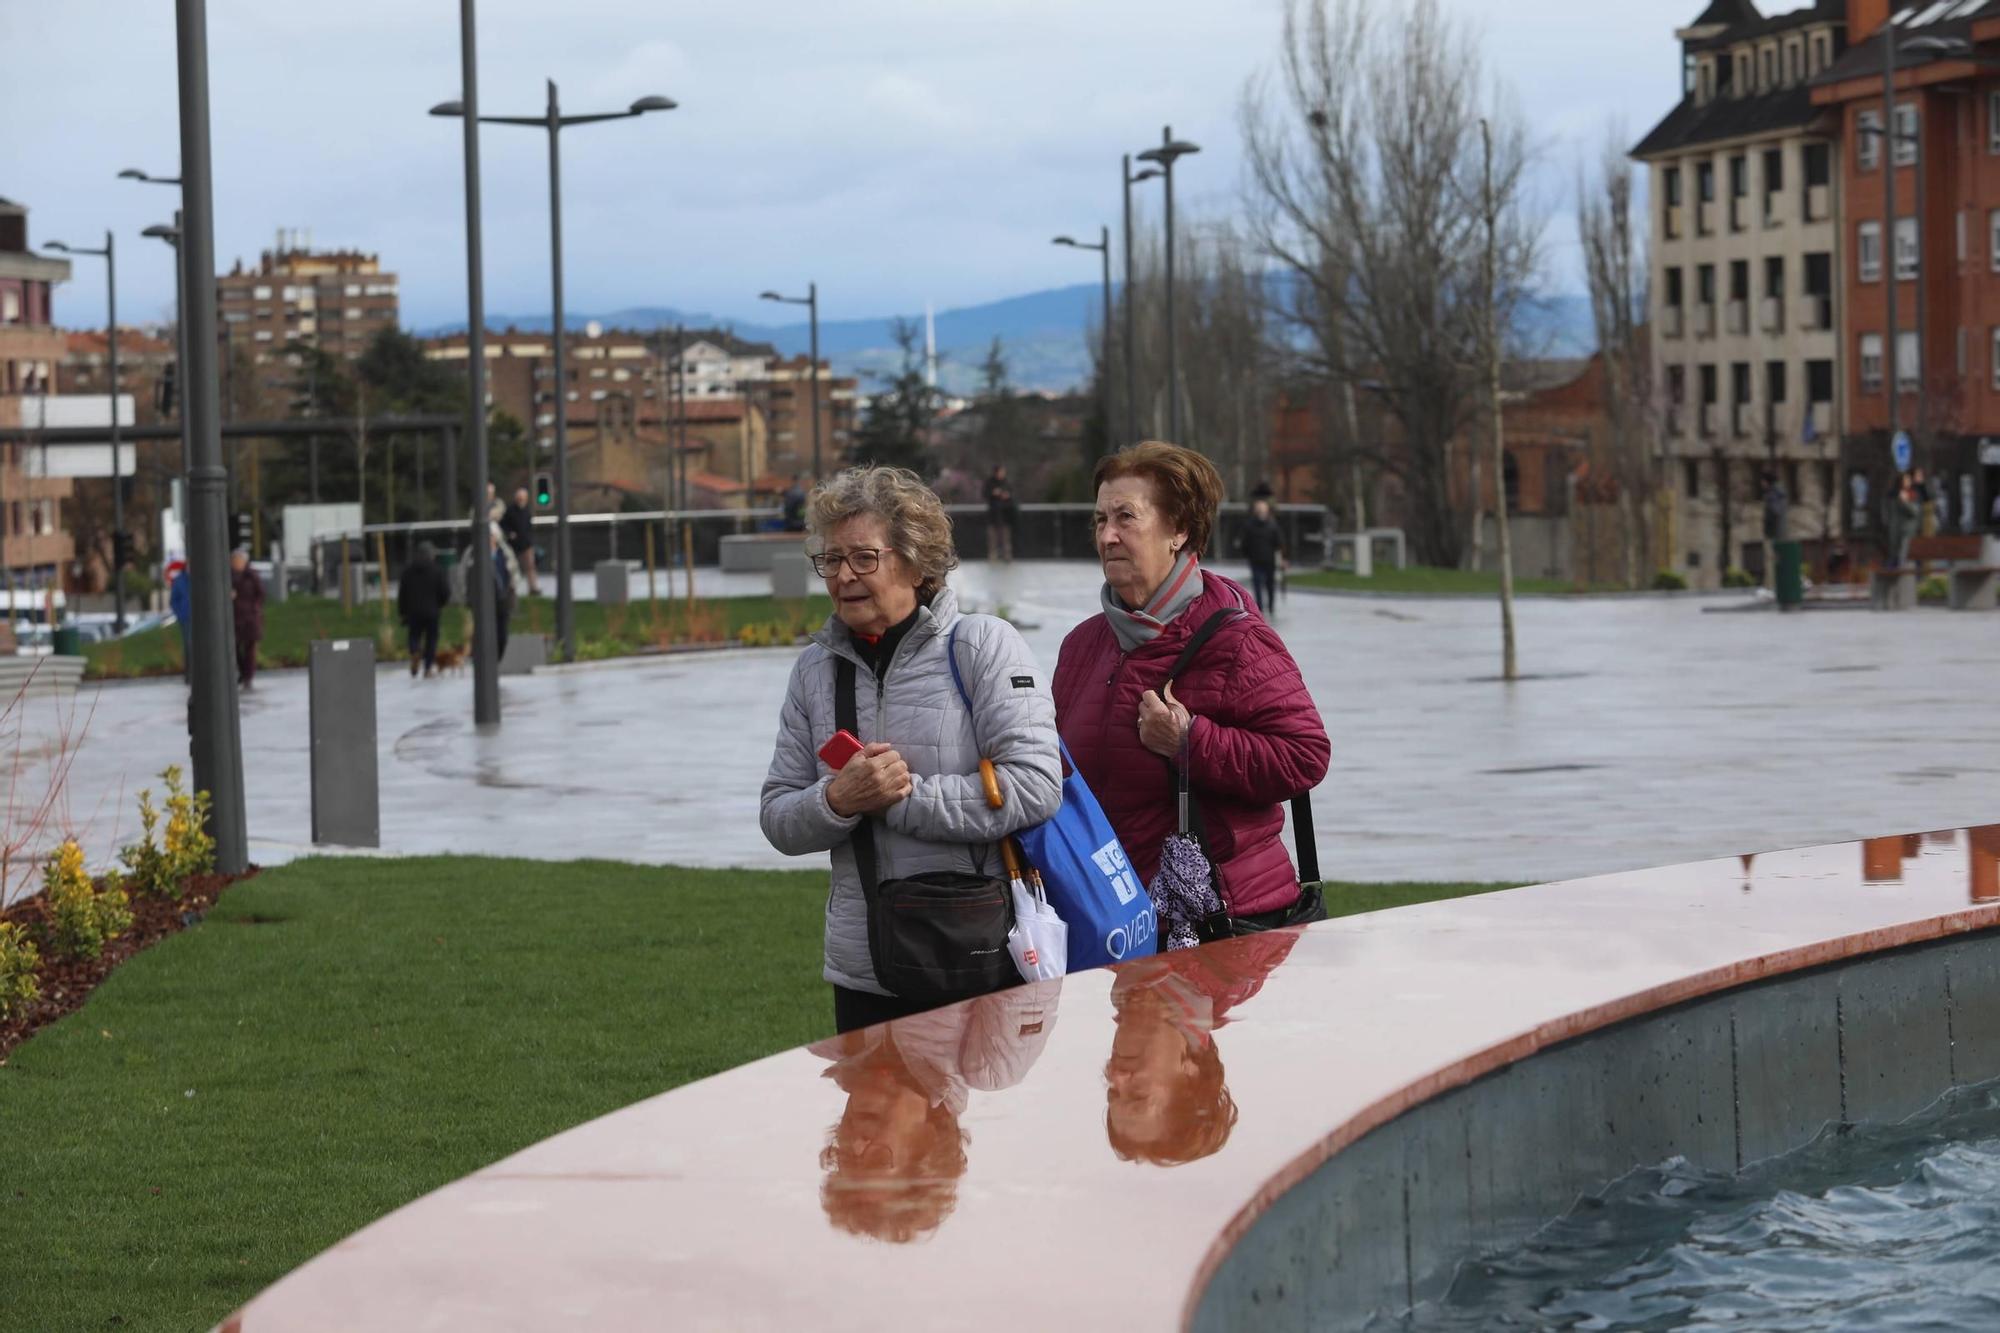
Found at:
[340, 712]
[613, 583]
[791, 574]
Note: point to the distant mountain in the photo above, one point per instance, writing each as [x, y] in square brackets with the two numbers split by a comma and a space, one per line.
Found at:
[1044, 335]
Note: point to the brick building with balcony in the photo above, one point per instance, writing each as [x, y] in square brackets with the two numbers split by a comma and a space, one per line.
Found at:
[1745, 255]
[1936, 374]
[36, 550]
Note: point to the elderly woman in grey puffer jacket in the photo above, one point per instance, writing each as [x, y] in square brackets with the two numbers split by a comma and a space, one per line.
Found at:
[882, 542]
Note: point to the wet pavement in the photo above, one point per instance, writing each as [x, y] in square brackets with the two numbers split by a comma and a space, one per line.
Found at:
[1648, 733]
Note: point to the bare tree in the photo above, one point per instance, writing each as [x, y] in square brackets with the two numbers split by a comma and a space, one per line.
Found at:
[1366, 185]
[1614, 262]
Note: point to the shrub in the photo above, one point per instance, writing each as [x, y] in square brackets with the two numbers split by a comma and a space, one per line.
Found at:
[1934, 589]
[1738, 578]
[1669, 581]
[18, 960]
[156, 869]
[81, 918]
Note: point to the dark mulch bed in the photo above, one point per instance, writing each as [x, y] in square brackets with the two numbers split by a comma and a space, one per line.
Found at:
[67, 983]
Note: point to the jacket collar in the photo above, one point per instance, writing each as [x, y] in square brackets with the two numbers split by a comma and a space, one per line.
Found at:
[932, 620]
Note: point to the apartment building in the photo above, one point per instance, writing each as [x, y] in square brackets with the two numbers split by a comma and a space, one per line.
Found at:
[1934, 370]
[334, 299]
[35, 547]
[1745, 255]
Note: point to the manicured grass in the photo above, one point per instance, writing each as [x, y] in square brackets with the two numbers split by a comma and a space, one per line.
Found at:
[342, 1036]
[291, 626]
[1425, 579]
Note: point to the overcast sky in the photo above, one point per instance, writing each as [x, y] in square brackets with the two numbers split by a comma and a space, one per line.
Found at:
[896, 150]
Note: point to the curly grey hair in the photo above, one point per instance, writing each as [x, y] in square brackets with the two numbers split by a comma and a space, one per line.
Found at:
[919, 528]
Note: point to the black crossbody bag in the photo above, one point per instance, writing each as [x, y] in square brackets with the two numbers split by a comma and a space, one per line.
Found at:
[1311, 903]
[933, 938]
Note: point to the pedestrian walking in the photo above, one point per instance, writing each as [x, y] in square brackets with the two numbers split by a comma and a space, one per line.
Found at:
[180, 600]
[1000, 516]
[1901, 520]
[518, 522]
[794, 517]
[246, 599]
[421, 596]
[1262, 544]
[898, 801]
[1236, 713]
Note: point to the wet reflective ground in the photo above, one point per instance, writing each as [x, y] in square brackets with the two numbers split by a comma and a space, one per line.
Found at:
[1893, 1227]
[1653, 734]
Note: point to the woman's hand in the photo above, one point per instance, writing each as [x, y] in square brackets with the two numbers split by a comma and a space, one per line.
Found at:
[1163, 722]
[871, 782]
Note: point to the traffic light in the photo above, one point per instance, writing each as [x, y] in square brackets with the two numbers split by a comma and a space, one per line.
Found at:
[165, 390]
[545, 491]
[121, 549]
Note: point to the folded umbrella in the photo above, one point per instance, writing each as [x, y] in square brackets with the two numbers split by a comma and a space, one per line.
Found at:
[1184, 891]
[1039, 938]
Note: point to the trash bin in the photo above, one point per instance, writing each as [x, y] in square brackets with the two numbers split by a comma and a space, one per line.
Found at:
[67, 641]
[1790, 582]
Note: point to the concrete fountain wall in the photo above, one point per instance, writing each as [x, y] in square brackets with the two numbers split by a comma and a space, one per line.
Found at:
[1284, 1132]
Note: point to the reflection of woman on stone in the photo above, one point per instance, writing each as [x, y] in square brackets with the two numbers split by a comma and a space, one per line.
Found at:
[894, 1158]
[1167, 1103]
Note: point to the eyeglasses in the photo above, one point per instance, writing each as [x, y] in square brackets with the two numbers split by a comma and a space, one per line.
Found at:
[862, 560]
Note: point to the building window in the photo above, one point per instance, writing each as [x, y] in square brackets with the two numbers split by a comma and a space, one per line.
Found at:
[1774, 181]
[1822, 51]
[1795, 61]
[1993, 238]
[10, 306]
[1993, 123]
[1906, 135]
[1868, 251]
[1691, 478]
[1868, 140]
[1676, 288]
[260, 293]
[1906, 248]
[1996, 356]
[1704, 182]
[1906, 359]
[1743, 88]
[1871, 363]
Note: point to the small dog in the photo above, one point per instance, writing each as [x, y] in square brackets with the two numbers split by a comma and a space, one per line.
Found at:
[450, 660]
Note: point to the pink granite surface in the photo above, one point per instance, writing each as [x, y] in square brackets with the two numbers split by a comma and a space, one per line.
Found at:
[1082, 1154]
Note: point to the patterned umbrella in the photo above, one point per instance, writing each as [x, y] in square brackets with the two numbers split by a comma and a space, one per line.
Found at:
[1183, 892]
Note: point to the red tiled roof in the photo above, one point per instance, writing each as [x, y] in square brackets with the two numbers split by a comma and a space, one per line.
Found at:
[131, 341]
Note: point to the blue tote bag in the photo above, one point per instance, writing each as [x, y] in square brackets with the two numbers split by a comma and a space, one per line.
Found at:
[1084, 870]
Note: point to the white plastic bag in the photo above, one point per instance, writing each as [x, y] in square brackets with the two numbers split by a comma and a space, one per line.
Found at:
[1039, 940]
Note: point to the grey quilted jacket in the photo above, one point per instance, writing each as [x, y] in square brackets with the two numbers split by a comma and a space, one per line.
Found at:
[944, 823]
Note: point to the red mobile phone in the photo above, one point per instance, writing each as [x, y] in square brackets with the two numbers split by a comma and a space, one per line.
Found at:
[840, 749]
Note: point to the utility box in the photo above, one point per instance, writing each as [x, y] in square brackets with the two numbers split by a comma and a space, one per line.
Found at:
[791, 574]
[346, 793]
[614, 583]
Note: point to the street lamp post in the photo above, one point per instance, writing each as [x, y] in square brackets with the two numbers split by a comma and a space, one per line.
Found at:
[811, 301]
[172, 236]
[1103, 248]
[217, 740]
[1171, 148]
[1131, 304]
[118, 543]
[554, 122]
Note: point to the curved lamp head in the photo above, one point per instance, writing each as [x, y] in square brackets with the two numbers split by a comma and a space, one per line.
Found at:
[160, 231]
[1063, 240]
[1145, 175]
[769, 296]
[1167, 152]
[645, 104]
[131, 174]
[451, 108]
[57, 245]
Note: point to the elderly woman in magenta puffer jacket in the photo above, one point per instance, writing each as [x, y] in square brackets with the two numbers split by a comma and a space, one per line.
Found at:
[1254, 738]
[882, 542]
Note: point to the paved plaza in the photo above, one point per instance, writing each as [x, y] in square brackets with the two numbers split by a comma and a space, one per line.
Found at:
[1652, 732]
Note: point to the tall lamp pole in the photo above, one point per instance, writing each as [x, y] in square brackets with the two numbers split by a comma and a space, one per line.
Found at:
[218, 742]
[1103, 248]
[119, 545]
[172, 236]
[1171, 148]
[811, 301]
[554, 122]
[1130, 179]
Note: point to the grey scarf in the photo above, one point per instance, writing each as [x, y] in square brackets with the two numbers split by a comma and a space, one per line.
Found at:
[1180, 588]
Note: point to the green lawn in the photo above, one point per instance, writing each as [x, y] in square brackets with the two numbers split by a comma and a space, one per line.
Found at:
[291, 626]
[1425, 579]
[344, 1035]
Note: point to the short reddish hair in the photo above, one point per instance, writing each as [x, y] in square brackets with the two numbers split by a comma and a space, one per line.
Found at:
[1185, 485]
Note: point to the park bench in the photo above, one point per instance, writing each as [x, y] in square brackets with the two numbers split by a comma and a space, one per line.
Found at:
[752, 552]
[1973, 576]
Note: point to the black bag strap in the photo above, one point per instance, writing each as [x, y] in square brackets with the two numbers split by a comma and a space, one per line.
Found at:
[847, 719]
[1302, 815]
